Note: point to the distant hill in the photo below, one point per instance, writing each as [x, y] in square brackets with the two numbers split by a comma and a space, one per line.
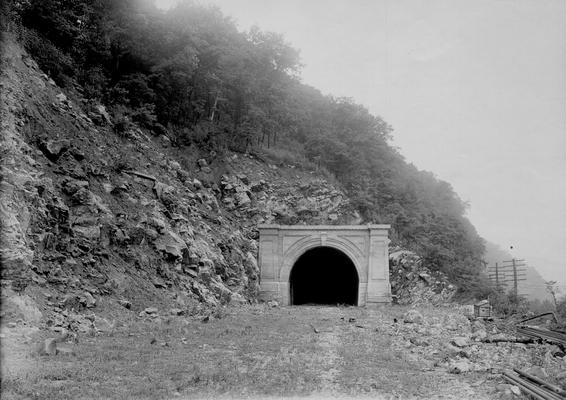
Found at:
[533, 287]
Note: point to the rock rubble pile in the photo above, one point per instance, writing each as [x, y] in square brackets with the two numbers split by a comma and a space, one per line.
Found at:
[452, 340]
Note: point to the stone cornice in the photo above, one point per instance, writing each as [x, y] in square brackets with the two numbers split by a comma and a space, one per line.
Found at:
[324, 227]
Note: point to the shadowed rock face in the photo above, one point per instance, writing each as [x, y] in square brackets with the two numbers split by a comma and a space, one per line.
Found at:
[324, 276]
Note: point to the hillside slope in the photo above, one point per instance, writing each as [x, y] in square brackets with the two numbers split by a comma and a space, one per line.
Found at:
[94, 217]
[189, 73]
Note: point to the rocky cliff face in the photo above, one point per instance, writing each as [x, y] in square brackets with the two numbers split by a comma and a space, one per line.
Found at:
[413, 283]
[96, 213]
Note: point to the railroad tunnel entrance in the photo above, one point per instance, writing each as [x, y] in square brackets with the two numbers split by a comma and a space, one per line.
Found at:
[324, 275]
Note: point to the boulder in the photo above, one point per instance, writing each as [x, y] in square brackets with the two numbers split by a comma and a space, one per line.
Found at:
[125, 303]
[82, 196]
[171, 244]
[164, 140]
[504, 392]
[68, 165]
[479, 335]
[459, 366]
[220, 290]
[499, 337]
[478, 325]
[206, 263]
[99, 115]
[72, 186]
[258, 186]
[537, 371]
[22, 307]
[237, 298]
[62, 98]
[460, 341]
[204, 295]
[174, 165]
[183, 175]
[419, 342]
[413, 317]
[197, 184]
[229, 203]
[451, 325]
[53, 149]
[250, 265]
[556, 351]
[158, 283]
[87, 232]
[158, 223]
[48, 347]
[242, 199]
[244, 178]
[87, 300]
[160, 189]
[515, 390]
[103, 325]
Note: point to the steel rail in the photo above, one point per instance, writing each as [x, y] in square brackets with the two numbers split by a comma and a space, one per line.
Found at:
[558, 335]
[538, 392]
[551, 336]
[539, 316]
[547, 385]
[543, 331]
[524, 388]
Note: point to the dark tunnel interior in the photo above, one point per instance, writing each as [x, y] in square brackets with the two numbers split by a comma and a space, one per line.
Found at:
[324, 275]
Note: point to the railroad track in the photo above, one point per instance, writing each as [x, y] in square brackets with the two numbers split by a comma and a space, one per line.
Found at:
[533, 386]
[544, 334]
[530, 384]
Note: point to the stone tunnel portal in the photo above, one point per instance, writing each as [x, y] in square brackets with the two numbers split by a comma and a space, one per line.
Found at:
[324, 275]
[329, 264]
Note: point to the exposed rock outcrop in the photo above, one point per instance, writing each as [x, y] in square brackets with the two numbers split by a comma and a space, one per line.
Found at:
[93, 213]
[414, 283]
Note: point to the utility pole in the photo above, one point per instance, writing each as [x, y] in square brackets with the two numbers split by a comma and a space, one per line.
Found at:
[519, 272]
[516, 285]
[496, 276]
[498, 281]
[509, 271]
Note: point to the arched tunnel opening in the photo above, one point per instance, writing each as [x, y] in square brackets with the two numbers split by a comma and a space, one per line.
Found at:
[324, 275]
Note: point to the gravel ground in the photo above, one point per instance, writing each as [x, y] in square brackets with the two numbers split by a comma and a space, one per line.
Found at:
[263, 352]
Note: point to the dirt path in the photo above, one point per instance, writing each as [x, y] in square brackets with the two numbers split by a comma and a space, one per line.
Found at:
[329, 343]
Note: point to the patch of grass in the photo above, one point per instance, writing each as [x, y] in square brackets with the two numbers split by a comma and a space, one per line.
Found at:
[253, 355]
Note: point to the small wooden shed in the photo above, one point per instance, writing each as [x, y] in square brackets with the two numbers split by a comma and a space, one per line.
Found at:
[482, 309]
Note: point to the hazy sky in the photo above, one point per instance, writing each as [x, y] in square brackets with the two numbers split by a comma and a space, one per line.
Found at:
[475, 92]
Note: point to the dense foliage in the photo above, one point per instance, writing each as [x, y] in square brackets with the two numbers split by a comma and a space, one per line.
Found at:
[190, 74]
